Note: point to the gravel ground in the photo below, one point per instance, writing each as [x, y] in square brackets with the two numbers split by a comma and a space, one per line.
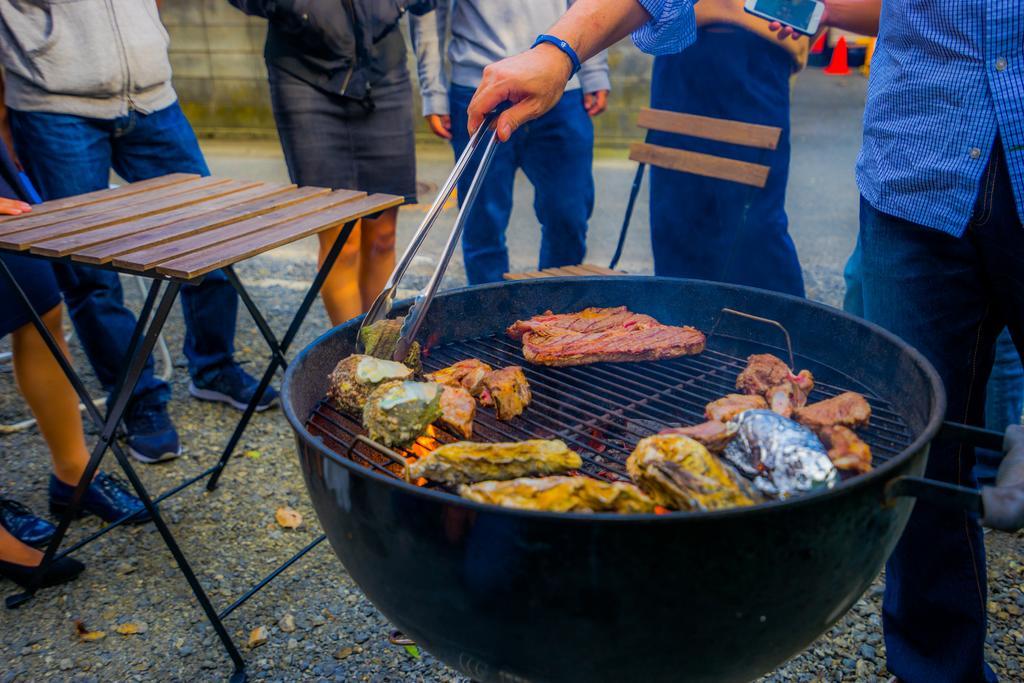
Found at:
[318, 625]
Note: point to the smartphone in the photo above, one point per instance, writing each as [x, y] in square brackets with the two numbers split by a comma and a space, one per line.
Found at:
[803, 16]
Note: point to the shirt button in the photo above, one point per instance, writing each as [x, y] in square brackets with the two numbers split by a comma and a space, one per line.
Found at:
[1001, 64]
[975, 153]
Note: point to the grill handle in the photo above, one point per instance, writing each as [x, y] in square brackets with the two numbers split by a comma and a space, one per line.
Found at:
[1000, 506]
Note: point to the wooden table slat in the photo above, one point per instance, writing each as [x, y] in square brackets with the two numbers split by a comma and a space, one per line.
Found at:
[24, 240]
[107, 251]
[147, 258]
[201, 262]
[106, 194]
[75, 242]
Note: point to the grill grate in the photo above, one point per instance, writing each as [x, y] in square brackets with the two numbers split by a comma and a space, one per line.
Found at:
[599, 410]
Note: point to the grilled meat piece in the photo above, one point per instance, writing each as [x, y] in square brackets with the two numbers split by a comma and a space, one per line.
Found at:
[356, 376]
[397, 413]
[731, 405]
[787, 397]
[768, 376]
[458, 408]
[713, 435]
[508, 390]
[846, 450]
[465, 462]
[560, 494]
[381, 338]
[848, 409]
[468, 374]
[596, 335]
[679, 473]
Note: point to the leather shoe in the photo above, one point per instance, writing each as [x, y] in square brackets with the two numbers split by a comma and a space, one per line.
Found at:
[107, 497]
[23, 525]
[63, 570]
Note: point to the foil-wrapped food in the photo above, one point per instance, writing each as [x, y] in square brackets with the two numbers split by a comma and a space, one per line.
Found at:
[397, 413]
[381, 339]
[560, 494]
[465, 462]
[782, 457]
[355, 377]
[679, 473]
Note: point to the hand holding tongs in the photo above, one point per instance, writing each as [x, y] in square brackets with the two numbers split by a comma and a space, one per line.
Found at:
[414, 318]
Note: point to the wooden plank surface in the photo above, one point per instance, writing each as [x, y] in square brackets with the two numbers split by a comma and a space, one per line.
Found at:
[147, 258]
[201, 262]
[213, 204]
[700, 164]
[721, 130]
[107, 251]
[582, 270]
[106, 194]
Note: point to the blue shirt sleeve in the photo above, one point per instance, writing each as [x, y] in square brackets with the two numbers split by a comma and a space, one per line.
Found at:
[672, 27]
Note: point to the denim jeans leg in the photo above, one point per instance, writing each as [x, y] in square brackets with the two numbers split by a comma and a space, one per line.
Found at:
[160, 143]
[563, 191]
[853, 299]
[1004, 403]
[67, 155]
[483, 240]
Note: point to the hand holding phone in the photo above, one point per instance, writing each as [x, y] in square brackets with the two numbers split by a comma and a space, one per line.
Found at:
[802, 16]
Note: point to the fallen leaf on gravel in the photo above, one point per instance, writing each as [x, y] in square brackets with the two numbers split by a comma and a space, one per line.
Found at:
[257, 636]
[85, 634]
[287, 623]
[288, 518]
[131, 628]
[252, 454]
[343, 653]
[413, 651]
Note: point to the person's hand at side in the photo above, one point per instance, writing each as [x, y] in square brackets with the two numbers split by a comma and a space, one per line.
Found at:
[440, 125]
[13, 207]
[595, 102]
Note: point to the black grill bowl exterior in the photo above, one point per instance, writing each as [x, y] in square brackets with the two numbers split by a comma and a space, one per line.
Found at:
[505, 595]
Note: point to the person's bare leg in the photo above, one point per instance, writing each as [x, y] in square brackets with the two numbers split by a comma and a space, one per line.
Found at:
[340, 292]
[51, 397]
[14, 551]
[376, 255]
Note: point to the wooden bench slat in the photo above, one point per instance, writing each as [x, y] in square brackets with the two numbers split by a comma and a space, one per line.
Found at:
[201, 262]
[107, 251]
[107, 231]
[106, 194]
[700, 164]
[707, 128]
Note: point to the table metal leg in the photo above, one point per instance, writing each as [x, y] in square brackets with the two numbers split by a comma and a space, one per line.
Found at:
[278, 350]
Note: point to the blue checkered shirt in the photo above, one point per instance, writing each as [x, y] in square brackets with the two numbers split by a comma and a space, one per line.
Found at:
[947, 78]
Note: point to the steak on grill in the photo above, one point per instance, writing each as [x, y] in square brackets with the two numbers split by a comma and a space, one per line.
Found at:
[768, 376]
[846, 450]
[731, 405]
[596, 335]
[848, 409]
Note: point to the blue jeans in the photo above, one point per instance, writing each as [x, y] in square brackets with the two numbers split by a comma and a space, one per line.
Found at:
[716, 229]
[66, 155]
[556, 152]
[951, 298]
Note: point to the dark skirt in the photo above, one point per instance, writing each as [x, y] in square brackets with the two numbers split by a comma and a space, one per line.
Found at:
[333, 141]
[36, 279]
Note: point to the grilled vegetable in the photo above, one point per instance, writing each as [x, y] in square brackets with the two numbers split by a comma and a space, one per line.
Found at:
[458, 408]
[355, 377]
[464, 462]
[560, 494]
[782, 457]
[397, 413]
[381, 338]
[679, 473]
[508, 391]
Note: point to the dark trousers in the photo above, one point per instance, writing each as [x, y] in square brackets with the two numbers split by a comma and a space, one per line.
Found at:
[950, 298]
[66, 155]
[716, 229]
[556, 152]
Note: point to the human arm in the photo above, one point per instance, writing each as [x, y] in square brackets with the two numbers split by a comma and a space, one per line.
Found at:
[534, 80]
[428, 37]
[858, 16]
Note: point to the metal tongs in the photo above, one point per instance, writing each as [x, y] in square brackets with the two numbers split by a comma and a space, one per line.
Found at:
[414, 318]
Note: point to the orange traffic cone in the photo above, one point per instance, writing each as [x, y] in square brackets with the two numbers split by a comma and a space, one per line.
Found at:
[839, 65]
[819, 44]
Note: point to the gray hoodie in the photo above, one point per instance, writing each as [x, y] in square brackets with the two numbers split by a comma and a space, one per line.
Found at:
[91, 58]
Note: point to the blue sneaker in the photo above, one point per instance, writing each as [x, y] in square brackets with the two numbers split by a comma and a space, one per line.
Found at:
[23, 525]
[107, 497]
[232, 385]
[151, 434]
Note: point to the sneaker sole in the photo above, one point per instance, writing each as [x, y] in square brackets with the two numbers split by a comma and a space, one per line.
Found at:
[217, 397]
[148, 460]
